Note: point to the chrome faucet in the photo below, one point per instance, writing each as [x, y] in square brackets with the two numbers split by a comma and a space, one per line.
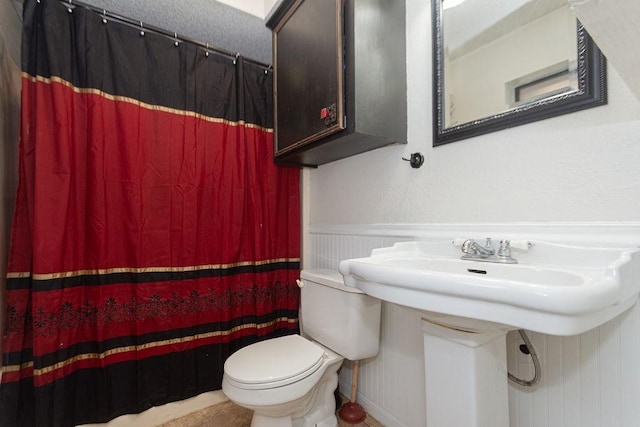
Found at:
[473, 251]
[472, 248]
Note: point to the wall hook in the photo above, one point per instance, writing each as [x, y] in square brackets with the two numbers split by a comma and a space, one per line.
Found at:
[416, 160]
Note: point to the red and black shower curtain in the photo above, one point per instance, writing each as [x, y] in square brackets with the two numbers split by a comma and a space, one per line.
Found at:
[153, 235]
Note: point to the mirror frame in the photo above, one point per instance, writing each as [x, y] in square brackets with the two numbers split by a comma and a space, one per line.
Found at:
[592, 90]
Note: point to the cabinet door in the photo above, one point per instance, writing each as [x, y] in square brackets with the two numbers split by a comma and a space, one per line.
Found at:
[308, 78]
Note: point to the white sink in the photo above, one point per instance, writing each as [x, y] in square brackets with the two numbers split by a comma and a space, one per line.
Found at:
[554, 289]
[468, 306]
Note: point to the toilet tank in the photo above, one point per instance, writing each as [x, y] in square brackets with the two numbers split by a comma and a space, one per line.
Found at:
[339, 317]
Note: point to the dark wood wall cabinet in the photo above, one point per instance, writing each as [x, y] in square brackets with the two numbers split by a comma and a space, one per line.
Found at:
[340, 84]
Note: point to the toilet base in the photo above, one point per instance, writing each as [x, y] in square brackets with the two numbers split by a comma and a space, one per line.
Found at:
[316, 409]
[265, 421]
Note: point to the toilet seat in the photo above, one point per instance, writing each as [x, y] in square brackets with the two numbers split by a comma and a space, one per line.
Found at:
[273, 363]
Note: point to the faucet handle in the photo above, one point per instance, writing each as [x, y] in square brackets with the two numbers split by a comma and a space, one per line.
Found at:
[505, 249]
[488, 244]
[458, 241]
[523, 245]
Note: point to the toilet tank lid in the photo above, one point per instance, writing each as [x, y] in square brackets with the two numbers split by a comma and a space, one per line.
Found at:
[327, 277]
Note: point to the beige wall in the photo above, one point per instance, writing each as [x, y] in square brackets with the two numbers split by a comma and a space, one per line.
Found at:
[10, 26]
[482, 74]
[613, 24]
[268, 5]
[254, 7]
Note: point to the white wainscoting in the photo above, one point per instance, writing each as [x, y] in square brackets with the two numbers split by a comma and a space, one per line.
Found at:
[589, 380]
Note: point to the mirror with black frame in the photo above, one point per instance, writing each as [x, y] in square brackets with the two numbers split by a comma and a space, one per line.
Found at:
[504, 63]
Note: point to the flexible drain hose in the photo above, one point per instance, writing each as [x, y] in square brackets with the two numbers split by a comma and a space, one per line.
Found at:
[536, 363]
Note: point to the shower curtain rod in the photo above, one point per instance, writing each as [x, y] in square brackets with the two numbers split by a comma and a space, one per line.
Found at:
[173, 36]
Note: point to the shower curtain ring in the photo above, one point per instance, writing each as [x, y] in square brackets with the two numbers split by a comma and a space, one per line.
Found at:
[236, 58]
[141, 29]
[104, 16]
[206, 52]
[176, 42]
[70, 8]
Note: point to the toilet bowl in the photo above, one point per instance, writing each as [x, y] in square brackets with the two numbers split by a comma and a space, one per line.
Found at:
[283, 390]
[290, 381]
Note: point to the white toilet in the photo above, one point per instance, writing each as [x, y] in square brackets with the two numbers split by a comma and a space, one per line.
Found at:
[289, 381]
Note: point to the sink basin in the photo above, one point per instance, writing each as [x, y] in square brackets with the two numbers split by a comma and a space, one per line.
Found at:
[554, 289]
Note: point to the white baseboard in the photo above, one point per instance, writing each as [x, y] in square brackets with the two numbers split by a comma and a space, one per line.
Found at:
[382, 416]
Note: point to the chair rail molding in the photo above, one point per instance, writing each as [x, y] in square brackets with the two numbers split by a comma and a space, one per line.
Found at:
[590, 233]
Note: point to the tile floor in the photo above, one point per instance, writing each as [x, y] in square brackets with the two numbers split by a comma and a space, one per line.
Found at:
[228, 414]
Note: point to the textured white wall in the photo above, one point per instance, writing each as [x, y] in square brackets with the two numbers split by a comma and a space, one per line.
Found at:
[577, 167]
[222, 25]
